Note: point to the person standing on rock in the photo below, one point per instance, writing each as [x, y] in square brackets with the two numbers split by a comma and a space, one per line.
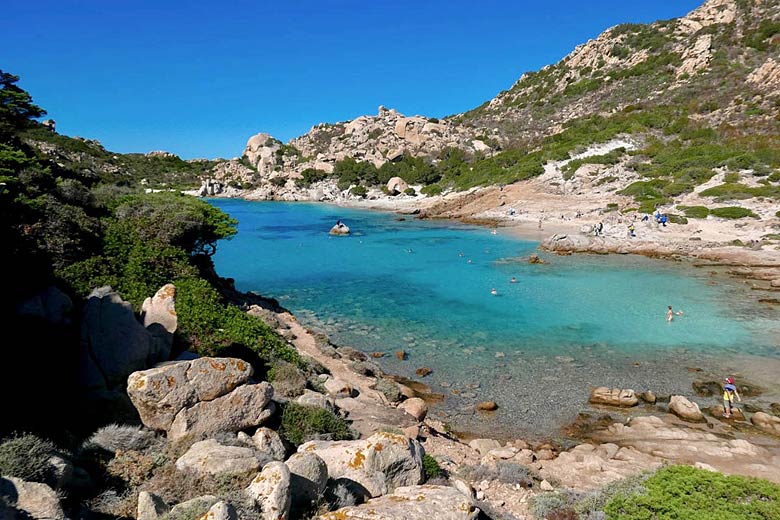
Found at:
[729, 392]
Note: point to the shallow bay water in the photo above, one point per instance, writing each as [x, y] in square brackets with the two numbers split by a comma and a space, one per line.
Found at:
[536, 347]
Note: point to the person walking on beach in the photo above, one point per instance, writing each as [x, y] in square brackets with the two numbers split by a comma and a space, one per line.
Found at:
[729, 392]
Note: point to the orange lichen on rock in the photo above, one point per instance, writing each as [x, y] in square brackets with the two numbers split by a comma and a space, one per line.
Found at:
[218, 365]
[357, 462]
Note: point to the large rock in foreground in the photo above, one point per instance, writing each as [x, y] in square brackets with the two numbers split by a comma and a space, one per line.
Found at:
[373, 466]
[160, 393]
[35, 499]
[209, 457]
[113, 343]
[245, 407]
[270, 490]
[412, 503]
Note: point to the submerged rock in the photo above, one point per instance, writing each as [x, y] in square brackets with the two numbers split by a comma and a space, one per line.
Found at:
[613, 397]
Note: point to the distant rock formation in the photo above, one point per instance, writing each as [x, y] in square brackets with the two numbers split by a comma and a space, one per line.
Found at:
[163, 154]
[210, 187]
[396, 185]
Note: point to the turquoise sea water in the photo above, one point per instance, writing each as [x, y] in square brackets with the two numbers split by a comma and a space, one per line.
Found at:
[535, 347]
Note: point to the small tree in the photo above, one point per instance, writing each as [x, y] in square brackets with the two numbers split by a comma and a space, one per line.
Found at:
[16, 106]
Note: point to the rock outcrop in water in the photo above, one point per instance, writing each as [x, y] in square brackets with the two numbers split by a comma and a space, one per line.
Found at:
[339, 229]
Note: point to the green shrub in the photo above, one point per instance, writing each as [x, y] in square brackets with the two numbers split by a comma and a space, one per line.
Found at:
[279, 181]
[758, 38]
[731, 191]
[410, 191]
[431, 190]
[687, 492]
[645, 190]
[359, 191]
[210, 325]
[431, 467]
[552, 505]
[287, 379]
[777, 213]
[676, 219]
[301, 423]
[605, 180]
[732, 212]
[594, 502]
[309, 176]
[695, 211]
[26, 456]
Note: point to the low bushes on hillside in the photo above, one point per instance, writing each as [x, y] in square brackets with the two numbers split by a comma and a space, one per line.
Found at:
[687, 492]
[695, 211]
[732, 212]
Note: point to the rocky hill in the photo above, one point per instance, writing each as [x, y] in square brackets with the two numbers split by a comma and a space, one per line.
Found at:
[719, 64]
[696, 97]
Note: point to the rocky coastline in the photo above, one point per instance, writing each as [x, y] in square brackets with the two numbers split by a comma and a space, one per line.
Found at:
[608, 440]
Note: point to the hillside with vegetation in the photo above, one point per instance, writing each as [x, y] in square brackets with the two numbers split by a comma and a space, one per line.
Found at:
[77, 218]
[696, 97]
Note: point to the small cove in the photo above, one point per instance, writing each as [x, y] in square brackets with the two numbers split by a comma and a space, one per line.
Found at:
[536, 347]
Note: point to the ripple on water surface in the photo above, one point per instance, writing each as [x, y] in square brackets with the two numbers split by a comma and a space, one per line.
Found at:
[535, 347]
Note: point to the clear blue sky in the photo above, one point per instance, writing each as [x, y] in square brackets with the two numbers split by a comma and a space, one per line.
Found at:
[199, 78]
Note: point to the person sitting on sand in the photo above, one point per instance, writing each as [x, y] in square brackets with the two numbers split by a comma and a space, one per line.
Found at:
[729, 392]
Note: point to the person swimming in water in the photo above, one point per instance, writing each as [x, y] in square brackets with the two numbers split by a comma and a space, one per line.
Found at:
[513, 280]
[493, 291]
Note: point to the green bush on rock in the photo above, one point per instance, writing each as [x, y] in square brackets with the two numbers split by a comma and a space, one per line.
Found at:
[301, 423]
[210, 325]
[431, 467]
